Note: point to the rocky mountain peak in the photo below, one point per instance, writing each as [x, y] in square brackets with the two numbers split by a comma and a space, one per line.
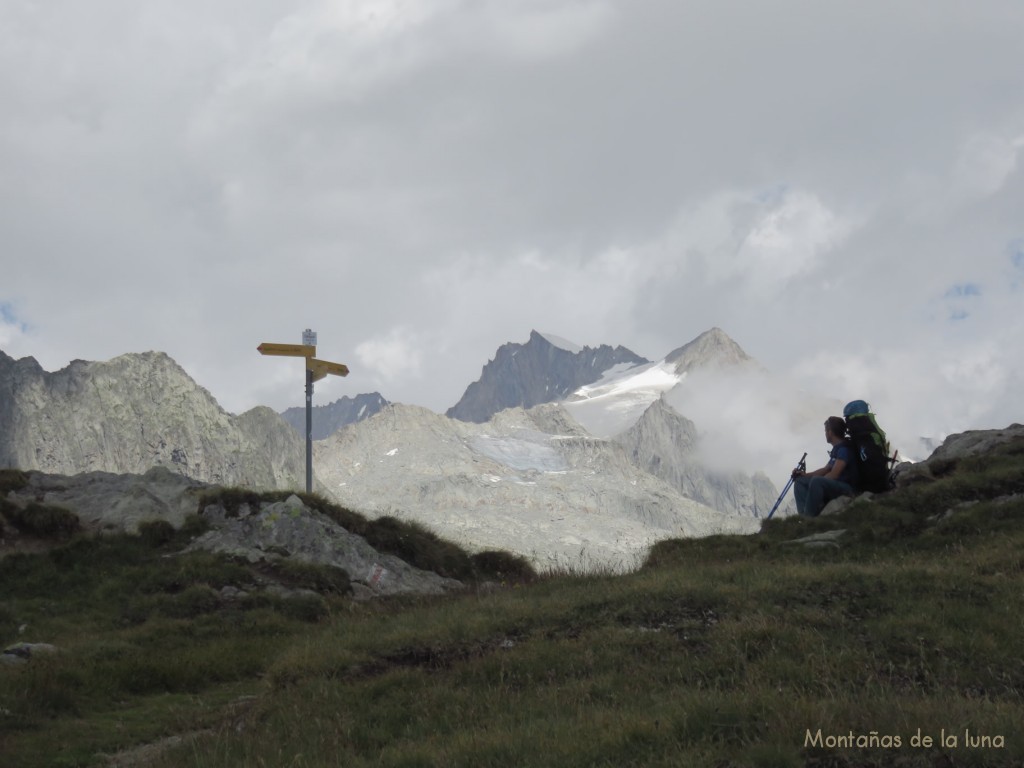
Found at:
[545, 369]
[134, 412]
[667, 445]
[711, 348]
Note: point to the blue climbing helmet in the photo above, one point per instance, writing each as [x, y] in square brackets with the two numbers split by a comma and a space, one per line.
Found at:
[856, 408]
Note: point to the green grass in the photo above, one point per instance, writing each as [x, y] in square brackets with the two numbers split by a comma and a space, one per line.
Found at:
[722, 652]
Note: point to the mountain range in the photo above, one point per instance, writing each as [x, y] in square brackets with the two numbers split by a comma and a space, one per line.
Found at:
[328, 419]
[563, 453]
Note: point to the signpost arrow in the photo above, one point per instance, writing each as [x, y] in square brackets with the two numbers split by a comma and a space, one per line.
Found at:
[315, 370]
[286, 350]
[321, 368]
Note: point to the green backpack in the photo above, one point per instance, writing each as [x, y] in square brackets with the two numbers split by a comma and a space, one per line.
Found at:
[870, 446]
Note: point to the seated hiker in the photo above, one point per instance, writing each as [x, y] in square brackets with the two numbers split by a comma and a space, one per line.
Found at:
[813, 490]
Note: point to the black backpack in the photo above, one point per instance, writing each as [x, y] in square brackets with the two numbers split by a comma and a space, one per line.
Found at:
[870, 447]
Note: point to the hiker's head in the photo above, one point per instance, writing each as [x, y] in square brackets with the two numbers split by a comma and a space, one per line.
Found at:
[835, 427]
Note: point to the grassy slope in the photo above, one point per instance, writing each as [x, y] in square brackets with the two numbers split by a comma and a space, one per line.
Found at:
[719, 652]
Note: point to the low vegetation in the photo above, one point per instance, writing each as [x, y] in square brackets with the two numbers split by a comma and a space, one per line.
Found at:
[896, 642]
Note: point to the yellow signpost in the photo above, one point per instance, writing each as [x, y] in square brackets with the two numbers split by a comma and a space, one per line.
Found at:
[315, 370]
[321, 368]
[287, 350]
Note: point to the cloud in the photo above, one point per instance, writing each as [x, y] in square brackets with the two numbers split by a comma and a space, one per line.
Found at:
[965, 289]
[1016, 253]
[423, 181]
[755, 421]
[925, 389]
[13, 332]
[985, 164]
[397, 354]
[533, 30]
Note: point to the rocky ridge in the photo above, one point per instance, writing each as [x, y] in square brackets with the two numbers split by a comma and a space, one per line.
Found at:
[134, 412]
[328, 419]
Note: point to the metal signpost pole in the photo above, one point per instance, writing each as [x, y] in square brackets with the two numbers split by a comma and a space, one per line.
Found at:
[315, 370]
[309, 339]
[309, 431]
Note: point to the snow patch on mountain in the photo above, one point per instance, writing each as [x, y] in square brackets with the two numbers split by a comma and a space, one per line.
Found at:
[527, 450]
[616, 402]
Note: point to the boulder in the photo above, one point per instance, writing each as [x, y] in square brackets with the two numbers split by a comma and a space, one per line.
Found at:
[974, 442]
[907, 474]
[289, 529]
[23, 652]
[837, 505]
[824, 539]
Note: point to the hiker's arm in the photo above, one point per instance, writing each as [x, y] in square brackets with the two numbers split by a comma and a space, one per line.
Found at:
[814, 473]
[837, 469]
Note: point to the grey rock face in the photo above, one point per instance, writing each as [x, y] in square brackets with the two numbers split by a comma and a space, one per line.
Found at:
[107, 502]
[665, 443]
[135, 412]
[532, 482]
[290, 529]
[328, 419]
[525, 375]
[955, 447]
[974, 442]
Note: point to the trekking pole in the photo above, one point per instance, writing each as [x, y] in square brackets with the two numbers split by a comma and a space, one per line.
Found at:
[802, 466]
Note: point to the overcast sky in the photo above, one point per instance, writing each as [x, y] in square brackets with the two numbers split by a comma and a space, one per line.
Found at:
[839, 186]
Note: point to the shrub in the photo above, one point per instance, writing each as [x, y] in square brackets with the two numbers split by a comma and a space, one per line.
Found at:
[321, 578]
[503, 566]
[308, 608]
[420, 547]
[7, 509]
[8, 624]
[12, 480]
[44, 520]
[351, 521]
[156, 533]
[194, 525]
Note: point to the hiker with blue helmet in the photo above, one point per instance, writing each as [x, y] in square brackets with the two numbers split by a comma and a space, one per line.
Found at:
[813, 490]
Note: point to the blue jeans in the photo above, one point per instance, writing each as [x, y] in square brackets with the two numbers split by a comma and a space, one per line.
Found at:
[813, 493]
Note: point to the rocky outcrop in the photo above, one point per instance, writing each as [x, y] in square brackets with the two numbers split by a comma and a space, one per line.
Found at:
[954, 448]
[974, 442]
[289, 529]
[109, 503]
[135, 412]
[328, 419]
[104, 501]
[540, 371]
[666, 444]
[533, 482]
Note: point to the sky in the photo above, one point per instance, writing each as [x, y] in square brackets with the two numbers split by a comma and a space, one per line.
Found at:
[838, 186]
